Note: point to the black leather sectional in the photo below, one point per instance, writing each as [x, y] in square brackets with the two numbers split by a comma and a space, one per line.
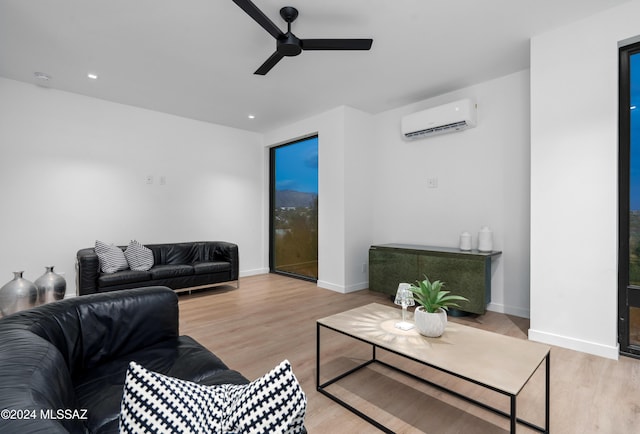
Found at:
[72, 356]
[177, 266]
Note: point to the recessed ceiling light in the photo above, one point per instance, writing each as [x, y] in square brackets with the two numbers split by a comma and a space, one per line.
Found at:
[251, 116]
[42, 76]
[92, 76]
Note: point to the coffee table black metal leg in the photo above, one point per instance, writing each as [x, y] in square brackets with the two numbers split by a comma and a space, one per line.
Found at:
[317, 355]
[547, 393]
[514, 418]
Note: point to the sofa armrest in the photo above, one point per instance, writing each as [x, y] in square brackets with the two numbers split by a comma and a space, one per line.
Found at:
[87, 271]
[228, 252]
[122, 322]
[34, 383]
[89, 330]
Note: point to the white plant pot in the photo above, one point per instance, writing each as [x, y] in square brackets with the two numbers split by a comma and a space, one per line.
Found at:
[430, 324]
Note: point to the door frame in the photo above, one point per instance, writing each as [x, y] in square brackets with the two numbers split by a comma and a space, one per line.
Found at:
[626, 299]
[272, 198]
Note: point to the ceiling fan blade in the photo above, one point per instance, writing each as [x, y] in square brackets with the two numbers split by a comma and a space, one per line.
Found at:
[260, 18]
[336, 44]
[270, 63]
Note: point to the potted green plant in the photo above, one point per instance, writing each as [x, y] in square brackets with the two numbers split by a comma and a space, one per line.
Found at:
[431, 316]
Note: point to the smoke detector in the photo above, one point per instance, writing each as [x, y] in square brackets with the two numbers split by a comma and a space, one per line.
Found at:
[42, 79]
[41, 76]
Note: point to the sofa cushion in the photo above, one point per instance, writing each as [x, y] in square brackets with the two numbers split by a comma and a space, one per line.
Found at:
[122, 277]
[182, 253]
[166, 271]
[211, 267]
[111, 257]
[101, 388]
[274, 403]
[138, 256]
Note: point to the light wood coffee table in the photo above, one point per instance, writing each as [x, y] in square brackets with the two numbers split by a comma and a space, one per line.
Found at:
[500, 363]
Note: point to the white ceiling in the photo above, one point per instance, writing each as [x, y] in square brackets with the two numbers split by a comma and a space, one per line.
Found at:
[196, 58]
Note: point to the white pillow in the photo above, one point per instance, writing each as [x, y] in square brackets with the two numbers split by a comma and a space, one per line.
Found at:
[139, 257]
[111, 257]
[152, 402]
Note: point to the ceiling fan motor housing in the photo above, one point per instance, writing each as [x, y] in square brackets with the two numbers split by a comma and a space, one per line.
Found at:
[289, 45]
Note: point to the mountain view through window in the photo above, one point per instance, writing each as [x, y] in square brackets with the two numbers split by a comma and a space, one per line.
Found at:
[294, 208]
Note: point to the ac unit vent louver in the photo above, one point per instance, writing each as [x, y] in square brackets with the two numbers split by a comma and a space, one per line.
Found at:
[441, 129]
[456, 116]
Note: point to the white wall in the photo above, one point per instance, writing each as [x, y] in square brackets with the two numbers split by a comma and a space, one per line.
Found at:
[483, 179]
[73, 168]
[574, 89]
[359, 196]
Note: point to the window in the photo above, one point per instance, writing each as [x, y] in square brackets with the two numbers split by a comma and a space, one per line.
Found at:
[629, 201]
[294, 209]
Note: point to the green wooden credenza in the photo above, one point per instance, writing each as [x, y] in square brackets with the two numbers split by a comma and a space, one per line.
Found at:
[464, 273]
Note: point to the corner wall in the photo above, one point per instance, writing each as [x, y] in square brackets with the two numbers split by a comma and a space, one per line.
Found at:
[574, 207]
[73, 169]
[344, 228]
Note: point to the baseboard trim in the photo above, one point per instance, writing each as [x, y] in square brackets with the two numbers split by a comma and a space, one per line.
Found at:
[509, 310]
[254, 272]
[607, 351]
[342, 289]
[333, 287]
[357, 287]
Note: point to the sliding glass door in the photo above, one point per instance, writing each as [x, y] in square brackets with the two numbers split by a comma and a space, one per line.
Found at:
[294, 209]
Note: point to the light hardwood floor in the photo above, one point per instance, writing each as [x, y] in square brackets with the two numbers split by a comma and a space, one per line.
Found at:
[271, 318]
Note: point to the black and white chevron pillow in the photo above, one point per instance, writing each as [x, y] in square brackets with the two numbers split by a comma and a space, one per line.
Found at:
[139, 257]
[152, 402]
[111, 257]
[273, 403]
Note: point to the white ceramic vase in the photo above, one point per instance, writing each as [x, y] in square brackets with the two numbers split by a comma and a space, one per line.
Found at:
[465, 241]
[485, 239]
[428, 324]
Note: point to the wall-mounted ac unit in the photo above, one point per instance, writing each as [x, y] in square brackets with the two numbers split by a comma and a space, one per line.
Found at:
[455, 116]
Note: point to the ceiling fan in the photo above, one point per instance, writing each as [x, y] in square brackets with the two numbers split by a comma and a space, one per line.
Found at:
[287, 44]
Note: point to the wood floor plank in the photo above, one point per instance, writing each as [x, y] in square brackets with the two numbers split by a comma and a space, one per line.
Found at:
[271, 318]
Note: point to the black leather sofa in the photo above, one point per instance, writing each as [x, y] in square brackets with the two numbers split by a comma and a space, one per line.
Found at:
[177, 266]
[72, 355]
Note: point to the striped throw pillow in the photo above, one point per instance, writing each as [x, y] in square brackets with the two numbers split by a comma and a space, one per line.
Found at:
[138, 256]
[271, 404]
[111, 257]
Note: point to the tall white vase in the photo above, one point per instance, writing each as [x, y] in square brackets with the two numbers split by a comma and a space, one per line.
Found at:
[485, 239]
